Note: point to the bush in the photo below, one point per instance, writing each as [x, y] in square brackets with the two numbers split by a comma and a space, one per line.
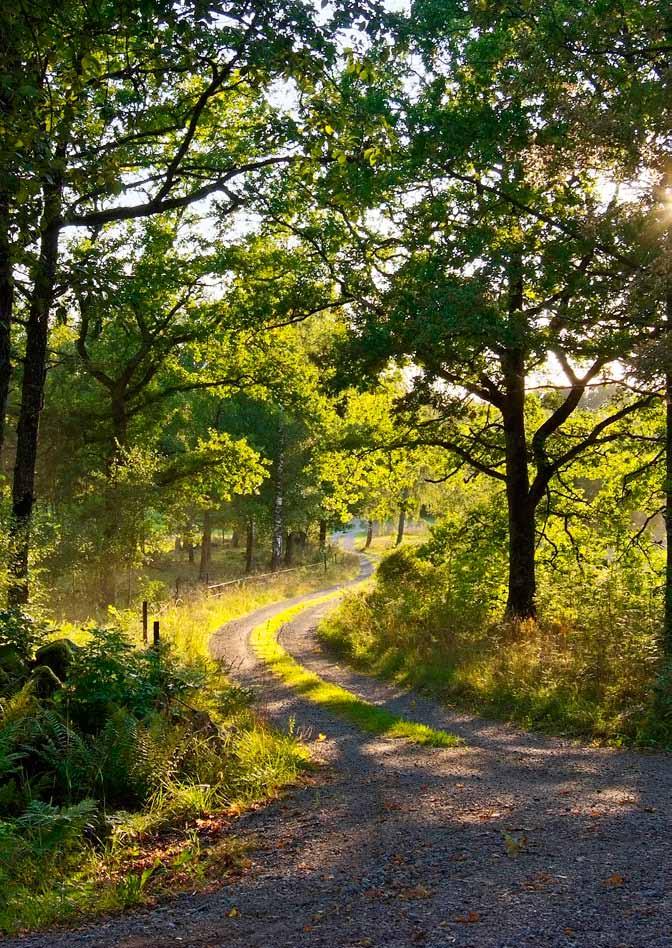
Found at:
[109, 672]
[129, 743]
[591, 665]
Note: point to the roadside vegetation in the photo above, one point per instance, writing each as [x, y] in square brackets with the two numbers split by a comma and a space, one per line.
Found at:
[591, 666]
[123, 768]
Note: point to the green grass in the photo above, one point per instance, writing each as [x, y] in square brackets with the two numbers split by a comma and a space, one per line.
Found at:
[190, 623]
[184, 836]
[595, 677]
[367, 716]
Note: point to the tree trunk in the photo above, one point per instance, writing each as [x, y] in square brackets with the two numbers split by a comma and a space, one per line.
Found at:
[401, 525]
[32, 394]
[323, 535]
[667, 630]
[250, 546]
[278, 509]
[369, 534]
[521, 602]
[235, 539]
[119, 426]
[206, 547]
[289, 548]
[6, 308]
[190, 552]
[107, 585]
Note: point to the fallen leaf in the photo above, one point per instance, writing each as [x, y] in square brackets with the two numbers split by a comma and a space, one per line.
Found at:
[469, 919]
[614, 880]
[514, 846]
[415, 892]
[539, 882]
[233, 912]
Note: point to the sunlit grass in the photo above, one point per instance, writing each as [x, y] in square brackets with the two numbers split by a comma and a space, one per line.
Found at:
[190, 623]
[576, 677]
[367, 716]
[183, 837]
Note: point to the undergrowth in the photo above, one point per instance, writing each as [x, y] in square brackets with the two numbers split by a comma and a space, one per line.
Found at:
[590, 667]
[120, 771]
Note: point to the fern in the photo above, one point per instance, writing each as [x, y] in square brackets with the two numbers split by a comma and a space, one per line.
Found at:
[54, 829]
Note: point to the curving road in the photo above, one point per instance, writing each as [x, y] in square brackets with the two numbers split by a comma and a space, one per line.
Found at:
[514, 840]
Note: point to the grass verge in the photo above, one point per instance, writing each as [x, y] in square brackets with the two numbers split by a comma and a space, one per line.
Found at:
[369, 717]
[593, 672]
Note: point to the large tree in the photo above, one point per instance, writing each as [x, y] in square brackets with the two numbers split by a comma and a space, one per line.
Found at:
[116, 112]
[497, 264]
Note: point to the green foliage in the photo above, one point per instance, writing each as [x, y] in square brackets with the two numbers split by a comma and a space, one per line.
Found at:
[20, 632]
[167, 741]
[591, 666]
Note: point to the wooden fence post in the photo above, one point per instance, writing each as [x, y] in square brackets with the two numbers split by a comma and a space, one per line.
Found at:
[144, 622]
[157, 631]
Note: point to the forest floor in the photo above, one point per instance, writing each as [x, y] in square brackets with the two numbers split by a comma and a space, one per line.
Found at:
[511, 840]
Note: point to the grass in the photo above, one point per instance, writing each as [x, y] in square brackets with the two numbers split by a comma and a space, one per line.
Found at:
[183, 837]
[189, 623]
[142, 875]
[369, 717]
[592, 671]
[387, 542]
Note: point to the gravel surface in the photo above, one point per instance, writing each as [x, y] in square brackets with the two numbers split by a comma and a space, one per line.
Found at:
[513, 840]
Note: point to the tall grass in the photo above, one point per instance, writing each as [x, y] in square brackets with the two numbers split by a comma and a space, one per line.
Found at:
[590, 667]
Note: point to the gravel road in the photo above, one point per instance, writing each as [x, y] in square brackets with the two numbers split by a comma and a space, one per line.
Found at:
[512, 840]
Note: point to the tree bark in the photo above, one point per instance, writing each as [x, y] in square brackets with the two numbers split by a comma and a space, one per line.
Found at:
[250, 546]
[278, 508]
[206, 547]
[6, 310]
[401, 525]
[323, 535]
[290, 540]
[235, 539]
[32, 395]
[369, 534]
[521, 602]
[667, 620]
[190, 552]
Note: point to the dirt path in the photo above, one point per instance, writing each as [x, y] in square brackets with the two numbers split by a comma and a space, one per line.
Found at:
[511, 841]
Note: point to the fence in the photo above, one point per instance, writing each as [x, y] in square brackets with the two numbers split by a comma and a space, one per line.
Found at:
[220, 588]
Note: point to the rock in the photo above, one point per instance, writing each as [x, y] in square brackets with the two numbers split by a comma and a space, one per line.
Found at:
[57, 655]
[44, 682]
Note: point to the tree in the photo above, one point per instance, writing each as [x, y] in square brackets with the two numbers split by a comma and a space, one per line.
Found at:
[117, 113]
[493, 265]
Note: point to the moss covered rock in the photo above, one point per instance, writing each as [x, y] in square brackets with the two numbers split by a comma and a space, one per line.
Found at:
[44, 682]
[57, 655]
